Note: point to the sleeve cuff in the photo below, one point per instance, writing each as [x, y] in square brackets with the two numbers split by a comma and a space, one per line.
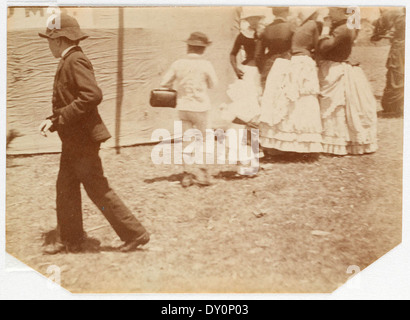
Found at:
[56, 120]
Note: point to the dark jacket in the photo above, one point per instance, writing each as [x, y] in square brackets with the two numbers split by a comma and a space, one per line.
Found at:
[76, 97]
[248, 44]
[306, 38]
[338, 46]
[275, 40]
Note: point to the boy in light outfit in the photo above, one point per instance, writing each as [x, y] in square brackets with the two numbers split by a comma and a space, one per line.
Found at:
[192, 76]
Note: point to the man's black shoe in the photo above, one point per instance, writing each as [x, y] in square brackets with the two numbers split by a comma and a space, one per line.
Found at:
[133, 245]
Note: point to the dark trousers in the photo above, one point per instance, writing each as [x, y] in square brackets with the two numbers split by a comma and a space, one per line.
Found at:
[81, 164]
[393, 97]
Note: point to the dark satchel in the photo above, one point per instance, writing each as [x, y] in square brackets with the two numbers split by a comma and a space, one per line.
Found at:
[163, 98]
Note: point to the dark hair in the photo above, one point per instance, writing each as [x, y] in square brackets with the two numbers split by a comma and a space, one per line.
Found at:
[196, 49]
[280, 10]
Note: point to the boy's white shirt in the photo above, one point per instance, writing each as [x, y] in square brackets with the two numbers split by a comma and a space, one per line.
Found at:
[191, 77]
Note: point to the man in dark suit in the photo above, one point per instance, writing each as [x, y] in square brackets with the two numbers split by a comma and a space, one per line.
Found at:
[76, 97]
[392, 25]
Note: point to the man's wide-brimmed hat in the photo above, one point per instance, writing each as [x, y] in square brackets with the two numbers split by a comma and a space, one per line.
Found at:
[198, 39]
[68, 28]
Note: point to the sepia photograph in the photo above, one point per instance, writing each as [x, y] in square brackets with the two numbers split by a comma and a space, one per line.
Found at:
[204, 149]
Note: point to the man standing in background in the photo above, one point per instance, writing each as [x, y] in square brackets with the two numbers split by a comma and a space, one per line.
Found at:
[392, 25]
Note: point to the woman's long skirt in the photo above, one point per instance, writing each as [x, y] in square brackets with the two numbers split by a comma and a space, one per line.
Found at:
[348, 109]
[290, 111]
[393, 97]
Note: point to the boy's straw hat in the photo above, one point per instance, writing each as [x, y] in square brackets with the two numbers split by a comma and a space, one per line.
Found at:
[198, 39]
[69, 28]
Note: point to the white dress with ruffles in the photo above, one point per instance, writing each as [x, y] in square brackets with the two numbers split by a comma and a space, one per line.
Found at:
[349, 109]
[245, 94]
[290, 111]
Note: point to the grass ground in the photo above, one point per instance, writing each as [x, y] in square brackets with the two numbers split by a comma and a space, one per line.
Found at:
[320, 218]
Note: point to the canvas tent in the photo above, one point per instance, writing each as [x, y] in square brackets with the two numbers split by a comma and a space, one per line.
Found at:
[153, 39]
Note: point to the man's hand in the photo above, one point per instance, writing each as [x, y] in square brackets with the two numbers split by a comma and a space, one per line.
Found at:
[45, 127]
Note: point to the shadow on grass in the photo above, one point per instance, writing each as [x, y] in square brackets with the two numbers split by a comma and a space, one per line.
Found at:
[10, 164]
[88, 246]
[389, 115]
[288, 157]
[171, 178]
[232, 175]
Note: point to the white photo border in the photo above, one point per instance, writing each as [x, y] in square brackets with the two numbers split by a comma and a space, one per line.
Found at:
[387, 278]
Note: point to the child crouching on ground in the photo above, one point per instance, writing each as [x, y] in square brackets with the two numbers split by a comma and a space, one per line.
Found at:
[192, 76]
